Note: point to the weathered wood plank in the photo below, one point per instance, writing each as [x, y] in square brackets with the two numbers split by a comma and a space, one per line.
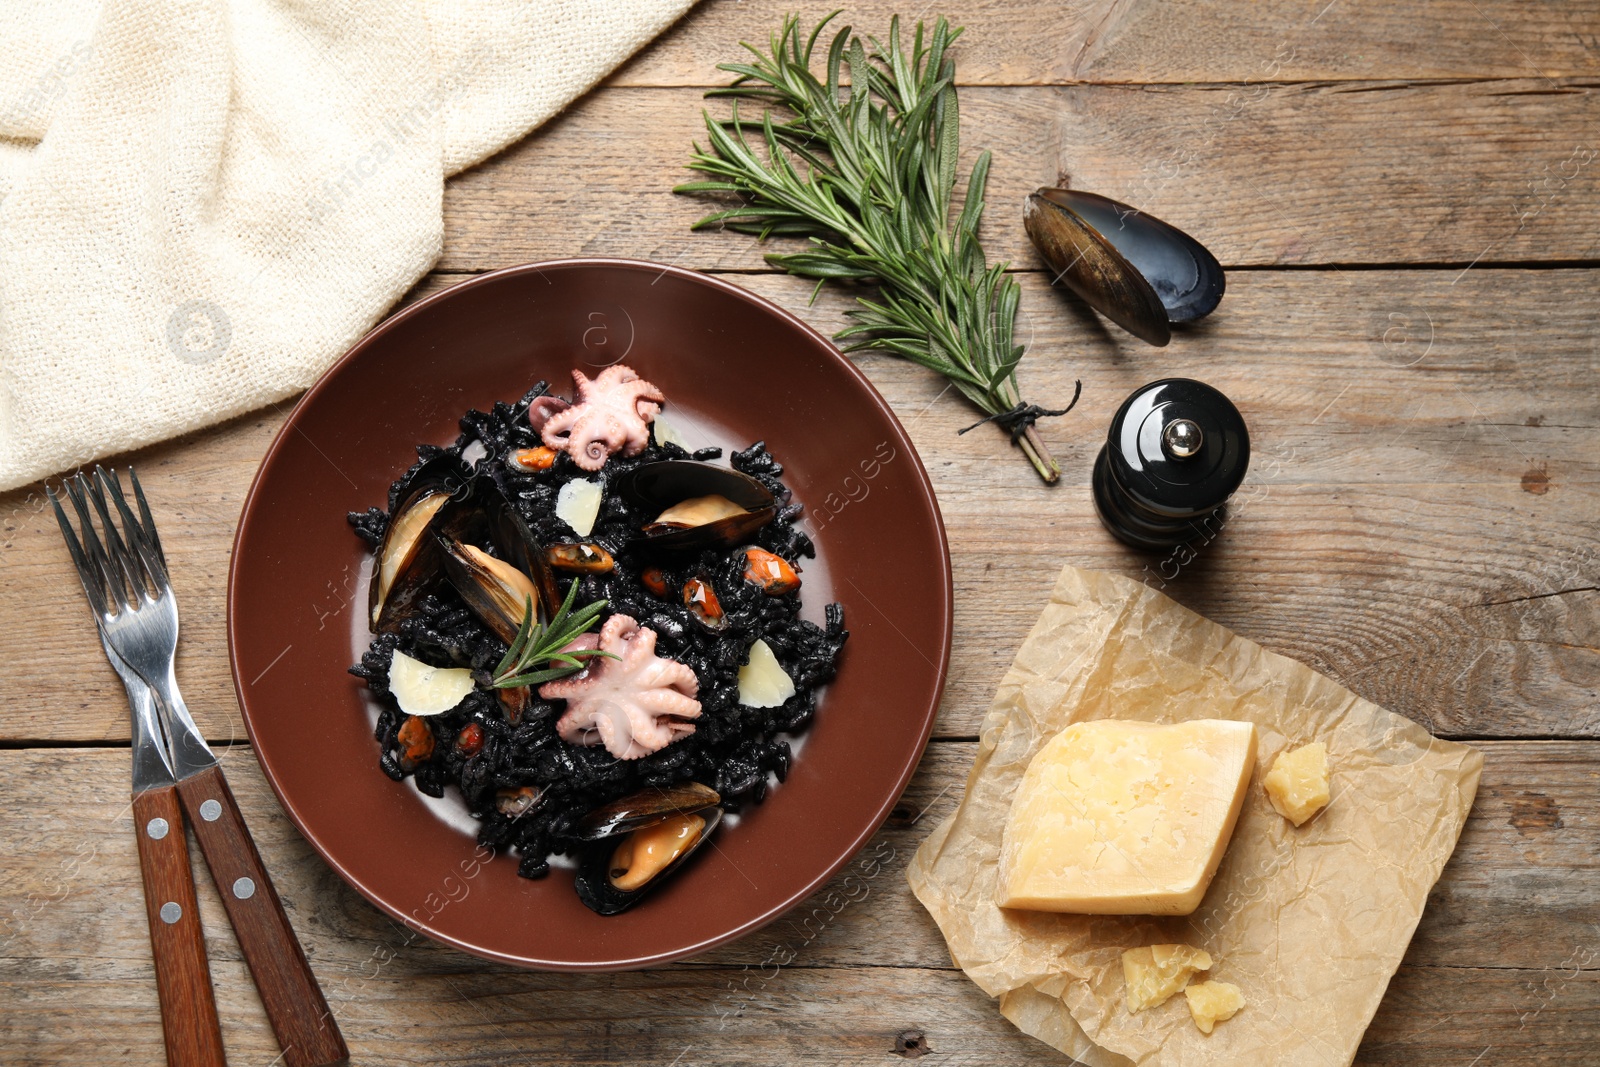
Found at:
[1422, 532]
[1027, 42]
[821, 1017]
[1264, 175]
[1509, 938]
[1522, 876]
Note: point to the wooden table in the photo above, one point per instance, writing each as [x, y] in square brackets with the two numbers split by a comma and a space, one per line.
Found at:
[1406, 198]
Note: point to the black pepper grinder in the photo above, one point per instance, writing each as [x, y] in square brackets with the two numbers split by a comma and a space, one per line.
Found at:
[1175, 452]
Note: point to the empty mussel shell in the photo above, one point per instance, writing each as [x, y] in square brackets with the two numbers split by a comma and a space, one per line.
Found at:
[617, 872]
[407, 565]
[645, 806]
[1139, 272]
[696, 505]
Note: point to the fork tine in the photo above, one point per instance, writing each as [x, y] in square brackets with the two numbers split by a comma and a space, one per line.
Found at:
[93, 581]
[145, 521]
[115, 585]
[125, 561]
[138, 535]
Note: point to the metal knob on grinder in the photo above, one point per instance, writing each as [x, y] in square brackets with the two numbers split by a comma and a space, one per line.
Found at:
[1175, 452]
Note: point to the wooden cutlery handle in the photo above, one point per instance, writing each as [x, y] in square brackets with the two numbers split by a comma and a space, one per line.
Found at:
[299, 1014]
[183, 979]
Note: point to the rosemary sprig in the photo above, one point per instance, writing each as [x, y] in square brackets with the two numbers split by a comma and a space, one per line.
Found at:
[535, 645]
[866, 172]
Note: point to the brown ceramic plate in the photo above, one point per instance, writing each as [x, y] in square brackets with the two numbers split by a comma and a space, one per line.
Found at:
[735, 369]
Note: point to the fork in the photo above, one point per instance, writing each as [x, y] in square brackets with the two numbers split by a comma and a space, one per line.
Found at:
[125, 579]
[183, 979]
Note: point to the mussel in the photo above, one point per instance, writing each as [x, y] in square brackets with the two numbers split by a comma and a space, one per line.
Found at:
[514, 699]
[696, 505]
[519, 801]
[641, 839]
[579, 557]
[700, 597]
[770, 571]
[530, 460]
[407, 564]
[1139, 272]
[497, 586]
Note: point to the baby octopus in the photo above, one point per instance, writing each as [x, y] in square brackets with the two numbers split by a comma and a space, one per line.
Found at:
[612, 413]
[635, 704]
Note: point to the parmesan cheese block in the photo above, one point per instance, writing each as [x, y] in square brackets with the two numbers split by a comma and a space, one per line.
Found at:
[1125, 818]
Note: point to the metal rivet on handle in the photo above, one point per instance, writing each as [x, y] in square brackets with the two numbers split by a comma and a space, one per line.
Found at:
[210, 811]
[156, 828]
[171, 912]
[244, 888]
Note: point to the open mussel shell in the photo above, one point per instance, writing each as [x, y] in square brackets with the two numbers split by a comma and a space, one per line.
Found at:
[596, 880]
[656, 487]
[646, 806]
[1139, 272]
[516, 542]
[407, 565]
[498, 584]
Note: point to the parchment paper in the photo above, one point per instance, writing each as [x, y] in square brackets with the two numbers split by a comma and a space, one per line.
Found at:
[1309, 922]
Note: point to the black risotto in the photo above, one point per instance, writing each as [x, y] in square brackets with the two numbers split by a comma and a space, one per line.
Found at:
[733, 748]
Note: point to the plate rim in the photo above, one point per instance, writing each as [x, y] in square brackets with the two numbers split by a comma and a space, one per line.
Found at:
[860, 840]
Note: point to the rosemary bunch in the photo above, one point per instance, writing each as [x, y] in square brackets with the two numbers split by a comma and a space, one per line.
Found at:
[536, 655]
[867, 172]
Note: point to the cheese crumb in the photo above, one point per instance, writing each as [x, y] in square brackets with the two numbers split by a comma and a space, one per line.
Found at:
[1213, 1002]
[1297, 785]
[1155, 972]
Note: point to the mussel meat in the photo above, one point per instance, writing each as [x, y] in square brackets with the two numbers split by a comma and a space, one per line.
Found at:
[769, 571]
[407, 565]
[701, 599]
[469, 742]
[514, 699]
[519, 801]
[696, 505]
[579, 558]
[655, 580]
[416, 740]
[530, 460]
[1139, 272]
[641, 839]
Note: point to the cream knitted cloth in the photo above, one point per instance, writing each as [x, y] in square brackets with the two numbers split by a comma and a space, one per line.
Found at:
[204, 202]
